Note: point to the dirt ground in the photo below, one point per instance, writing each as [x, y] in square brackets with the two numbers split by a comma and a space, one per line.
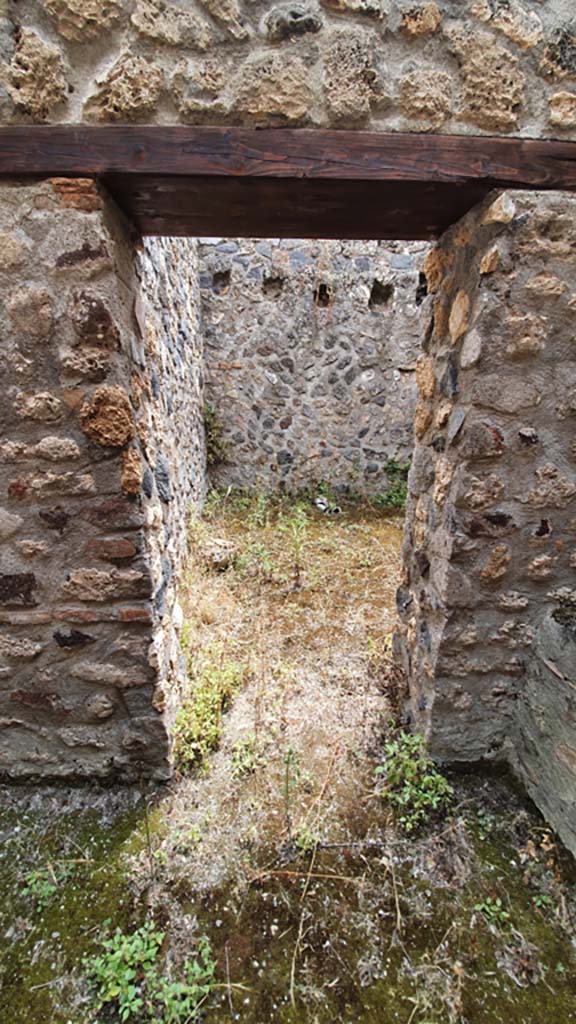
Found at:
[280, 844]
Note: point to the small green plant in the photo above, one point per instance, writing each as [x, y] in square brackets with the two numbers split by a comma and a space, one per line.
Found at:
[295, 523]
[493, 909]
[126, 975]
[542, 901]
[247, 756]
[43, 884]
[305, 839]
[216, 446]
[255, 560]
[198, 726]
[412, 783]
[395, 495]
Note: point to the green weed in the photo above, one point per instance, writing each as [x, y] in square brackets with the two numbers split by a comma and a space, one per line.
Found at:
[493, 910]
[43, 884]
[216, 446]
[127, 976]
[247, 756]
[412, 783]
[295, 524]
[395, 495]
[198, 727]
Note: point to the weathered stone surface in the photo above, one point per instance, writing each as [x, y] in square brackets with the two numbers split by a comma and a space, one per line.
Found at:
[42, 407]
[471, 350]
[526, 334]
[501, 211]
[521, 25]
[289, 20]
[490, 261]
[459, 316]
[9, 524]
[495, 392]
[436, 263]
[31, 312]
[111, 549]
[81, 20]
[100, 706]
[552, 488]
[132, 472]
[229, 15]
[492, 80]
[14, 248]
[98, 585]
[563, 109]
[273, 89]
[422, 19]
[130, 91]
[377, 9]
[165, 22]
[57, 449]
[37, 79]
[19, 648]
[93, 322]
[497, 564]
[17, 589]
[109, 674]
[351, 80]
[559, 60]
[426, 95]
[107, 417]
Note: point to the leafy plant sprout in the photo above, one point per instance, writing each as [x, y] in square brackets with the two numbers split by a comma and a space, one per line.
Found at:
[412, 783]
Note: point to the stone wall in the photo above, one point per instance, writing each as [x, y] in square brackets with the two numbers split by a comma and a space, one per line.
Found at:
[89, 535]
[464, 66]
[489, 599]
[310, 353]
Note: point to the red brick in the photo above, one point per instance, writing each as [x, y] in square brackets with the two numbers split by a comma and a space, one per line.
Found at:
[142, 614]
[113, 549]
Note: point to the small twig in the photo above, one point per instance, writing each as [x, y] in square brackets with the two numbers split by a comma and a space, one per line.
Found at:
[228, 985]
[300, 929]
[300, 874]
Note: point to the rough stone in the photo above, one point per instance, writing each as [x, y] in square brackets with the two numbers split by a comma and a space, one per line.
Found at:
[167, 23]
[490, 261]
[563, 109]
[100, 706]
[130, 91]
[20, 649]
[522, 26]
[493, 391]
[42, 407]
[471, 349]
[37, 79]
[377, 9]
[81, 20]
[31, 312]
[559, 60]
[422, 20]
[492, 80]
[436, 263]
[426, 95]
[459, 316]
[14, 248]
[93, 322]
[501, 211]
[497, 564]
[551, 489]
[289, 20]
[9, 524]
[229, 14]
[273, 89]
[97, 585]
[57, 449]
[132, 472]
[526, 333]
[351, 80]
[107, 417]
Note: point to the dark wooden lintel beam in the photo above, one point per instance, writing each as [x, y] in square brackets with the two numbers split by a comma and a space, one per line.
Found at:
[70, 150]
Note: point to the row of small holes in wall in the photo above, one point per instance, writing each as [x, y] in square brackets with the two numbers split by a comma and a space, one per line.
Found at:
[380, 294]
